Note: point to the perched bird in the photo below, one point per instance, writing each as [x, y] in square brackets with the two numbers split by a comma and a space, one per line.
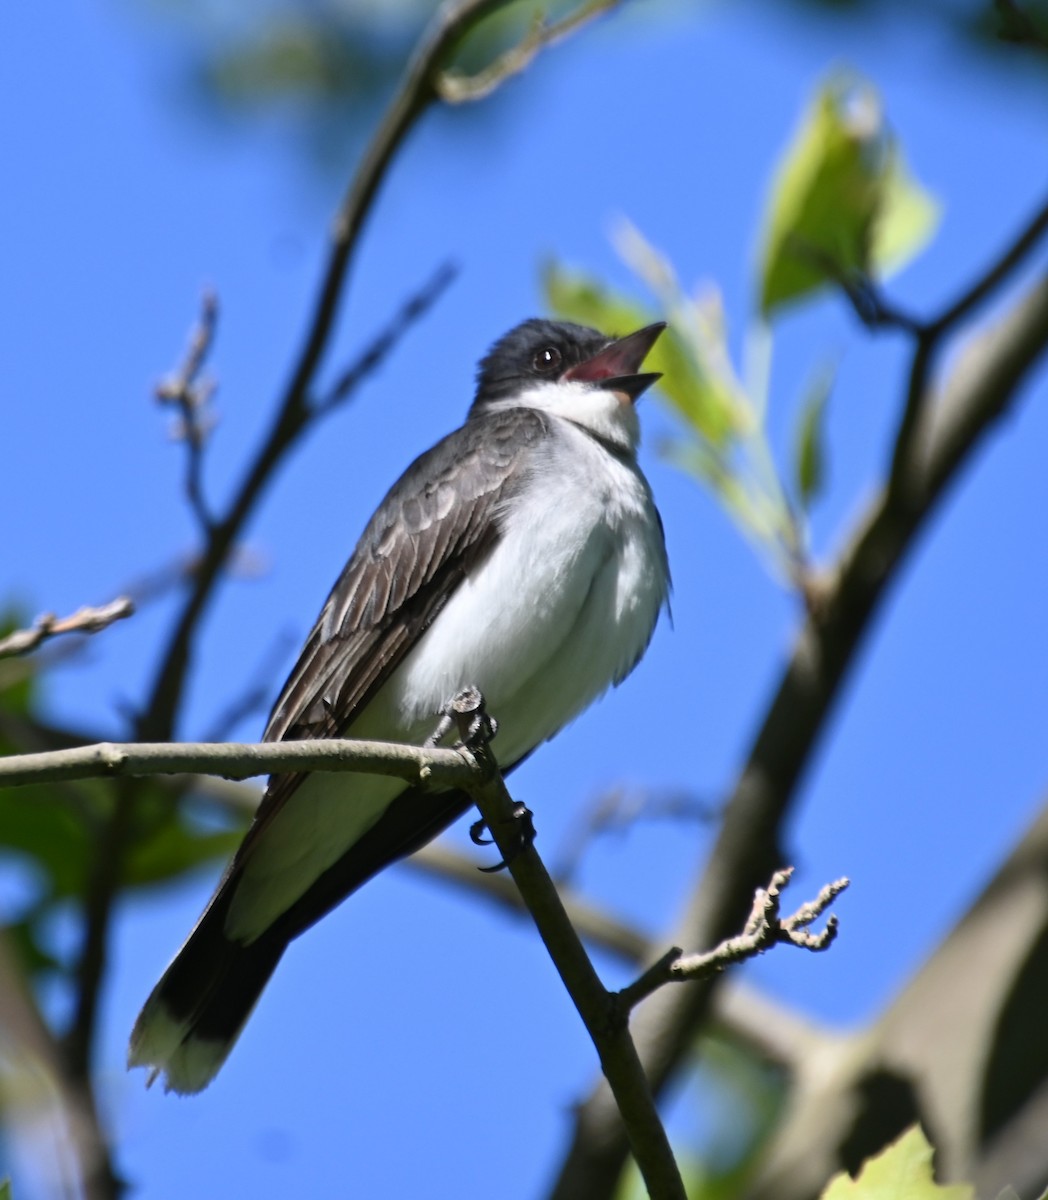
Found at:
[523, 555]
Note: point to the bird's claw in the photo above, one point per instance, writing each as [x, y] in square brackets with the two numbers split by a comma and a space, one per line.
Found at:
[476, 833]
[523, 836]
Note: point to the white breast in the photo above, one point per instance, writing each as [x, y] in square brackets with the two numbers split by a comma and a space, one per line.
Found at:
[562, 609]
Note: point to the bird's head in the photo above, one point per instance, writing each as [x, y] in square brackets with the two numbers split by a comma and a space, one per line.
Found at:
[572, 371]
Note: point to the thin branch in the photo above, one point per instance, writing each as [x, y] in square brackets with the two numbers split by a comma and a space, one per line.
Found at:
[46, 626]
[763, 929]
[608, 1030]
[414, 308]
[876, 312]
[931, 335]
[239, 760]
[747, 848]
[457, 88]
[189, 393]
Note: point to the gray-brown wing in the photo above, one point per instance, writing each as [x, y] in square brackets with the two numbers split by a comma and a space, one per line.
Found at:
[437, 523]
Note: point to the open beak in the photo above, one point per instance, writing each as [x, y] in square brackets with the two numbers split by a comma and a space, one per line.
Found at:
[616, 368]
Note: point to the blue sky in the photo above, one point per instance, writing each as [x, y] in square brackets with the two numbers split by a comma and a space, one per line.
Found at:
[379, 1059]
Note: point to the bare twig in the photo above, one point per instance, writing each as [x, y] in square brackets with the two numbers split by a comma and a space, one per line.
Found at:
[456, 88]
[763, 929]
[189, 393]
[747, 847]
[46, 626]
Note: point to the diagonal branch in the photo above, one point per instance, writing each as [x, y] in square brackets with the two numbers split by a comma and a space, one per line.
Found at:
[931, 335]
[607, 1026]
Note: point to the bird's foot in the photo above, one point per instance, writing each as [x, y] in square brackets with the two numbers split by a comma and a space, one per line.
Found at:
[476, 728]
[522, 832]
[466, 711]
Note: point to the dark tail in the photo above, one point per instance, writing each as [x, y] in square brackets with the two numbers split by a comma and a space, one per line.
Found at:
[195, 1013]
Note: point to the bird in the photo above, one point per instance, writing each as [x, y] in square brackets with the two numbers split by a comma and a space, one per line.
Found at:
[522, 555]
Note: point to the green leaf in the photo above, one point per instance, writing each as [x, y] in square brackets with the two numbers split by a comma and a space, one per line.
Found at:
[903, 1171]
[51, 829]
[173, 843]
[5, 1189]
[810, 441]
[842, 202]
[907, 220]
[17, 680]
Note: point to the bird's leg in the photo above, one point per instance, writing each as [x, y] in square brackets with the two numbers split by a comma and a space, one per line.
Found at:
[476, 729]
[467, 711]
[441, 731]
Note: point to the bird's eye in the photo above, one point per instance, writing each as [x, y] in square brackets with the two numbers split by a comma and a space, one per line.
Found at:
[547, 359]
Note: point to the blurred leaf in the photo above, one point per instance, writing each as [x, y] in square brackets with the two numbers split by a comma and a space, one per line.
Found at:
[25, 941]
[842, 201]
[908, 217]
[810, 445]
[173, 843]
[17, 685]
[318, 57]
[701, 382]
[903, 1171]
[5, 1189]
[51, 828]
[578, 297]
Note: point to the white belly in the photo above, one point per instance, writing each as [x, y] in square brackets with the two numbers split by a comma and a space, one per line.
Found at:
[562, 609]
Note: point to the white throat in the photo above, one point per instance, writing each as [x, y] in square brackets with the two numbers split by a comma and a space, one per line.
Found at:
[610, 416]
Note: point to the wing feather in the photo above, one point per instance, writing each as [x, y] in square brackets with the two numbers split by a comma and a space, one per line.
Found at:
[438, 522]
